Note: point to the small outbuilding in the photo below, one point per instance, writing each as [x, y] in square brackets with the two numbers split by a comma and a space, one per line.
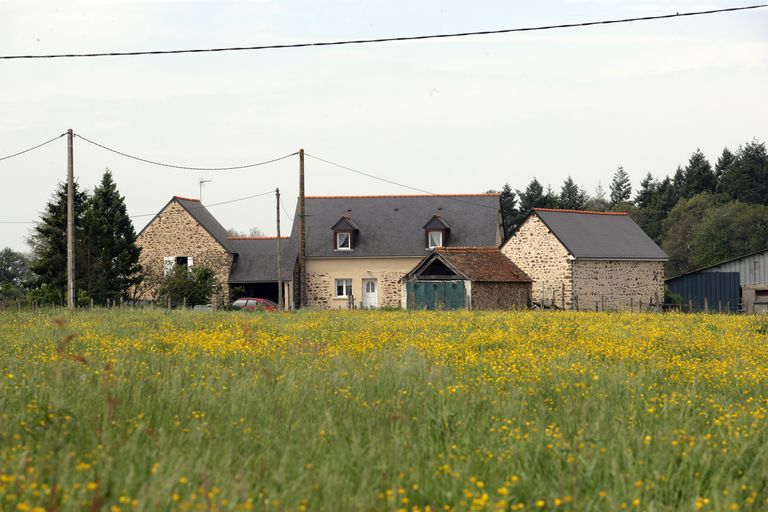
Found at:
[466, 278]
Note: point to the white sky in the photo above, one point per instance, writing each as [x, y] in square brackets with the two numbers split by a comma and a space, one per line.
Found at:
[450, 116]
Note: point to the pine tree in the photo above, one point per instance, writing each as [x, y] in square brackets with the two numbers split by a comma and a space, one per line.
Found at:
[621, 189]
[49, 245]
[647, 190]
[509, 213]
[112, 251]
[572, 197]
[698, 176]
[746, 178]
[722, 166]
[532, 197]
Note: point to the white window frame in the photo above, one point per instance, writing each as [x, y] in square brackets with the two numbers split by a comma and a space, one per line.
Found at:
[168, 264]
[429, 239]
[346, 285]
[338, 241]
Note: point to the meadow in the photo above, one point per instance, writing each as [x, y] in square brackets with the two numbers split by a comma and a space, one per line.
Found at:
[125, 410]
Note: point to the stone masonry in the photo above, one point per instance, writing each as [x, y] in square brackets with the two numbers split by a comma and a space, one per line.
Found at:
[175, 233]
[618, 284]
[540, 254]
[321, 293]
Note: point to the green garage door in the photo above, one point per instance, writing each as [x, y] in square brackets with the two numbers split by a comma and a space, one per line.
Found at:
[435, 294]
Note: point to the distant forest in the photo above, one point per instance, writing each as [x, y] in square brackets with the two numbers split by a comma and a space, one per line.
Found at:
[700, 215]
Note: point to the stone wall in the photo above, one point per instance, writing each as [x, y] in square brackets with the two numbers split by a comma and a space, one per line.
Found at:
[175, 233]
[390, 289]
[540, 254]
[613, 285]
[320, 290]
[500, 295]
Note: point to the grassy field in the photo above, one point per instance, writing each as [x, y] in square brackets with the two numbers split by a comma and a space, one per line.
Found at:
[340, 411]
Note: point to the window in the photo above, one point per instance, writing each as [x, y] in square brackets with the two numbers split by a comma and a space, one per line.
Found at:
[170, 262]
[343, 287]
[343, 240]
[434, 239]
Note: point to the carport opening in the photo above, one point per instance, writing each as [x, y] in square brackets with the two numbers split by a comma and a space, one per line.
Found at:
[255, 290]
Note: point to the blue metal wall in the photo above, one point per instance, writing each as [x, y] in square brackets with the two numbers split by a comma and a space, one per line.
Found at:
[721, 289]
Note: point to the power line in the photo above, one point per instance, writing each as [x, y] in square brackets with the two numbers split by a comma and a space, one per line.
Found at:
[173, 166]
[452, 198]
[285, 210]
[385, 39]
[211, 205]
[32, 148]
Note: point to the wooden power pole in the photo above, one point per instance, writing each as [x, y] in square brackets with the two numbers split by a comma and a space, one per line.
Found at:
[70, 224]
[279, 269]
[302, 236]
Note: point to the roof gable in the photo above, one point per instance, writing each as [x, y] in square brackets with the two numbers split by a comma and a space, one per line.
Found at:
[201, 215]
[436, 223]
[392, 226]
[478, 264]
[598, 235]
[345, 224]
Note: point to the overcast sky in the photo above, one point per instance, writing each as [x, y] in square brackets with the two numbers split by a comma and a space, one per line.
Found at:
[449, 116]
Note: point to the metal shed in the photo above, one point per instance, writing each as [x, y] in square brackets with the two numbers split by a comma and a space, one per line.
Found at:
[751, 274]
[712, 291]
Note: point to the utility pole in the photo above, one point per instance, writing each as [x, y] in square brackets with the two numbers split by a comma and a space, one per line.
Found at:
[302, 235]
[279, 273]
[70, 224]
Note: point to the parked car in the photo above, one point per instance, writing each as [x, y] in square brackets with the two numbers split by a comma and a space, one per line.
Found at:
[254, 304]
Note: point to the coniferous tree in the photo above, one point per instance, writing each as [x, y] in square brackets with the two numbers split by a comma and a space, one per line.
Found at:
[598, 202]
[723, 164]
[746, 178]
[621, 189]
[532, 197]
[509, 213]
[111, 250]
[572, 197]
[698, 176]
[647, 190]
[49, 246]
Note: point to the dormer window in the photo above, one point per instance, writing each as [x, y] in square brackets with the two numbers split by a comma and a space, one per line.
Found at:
[345, 233]
[343, 240]
[434, 239]
[436, 232]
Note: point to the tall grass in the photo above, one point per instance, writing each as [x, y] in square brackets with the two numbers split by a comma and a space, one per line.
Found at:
[344, 411]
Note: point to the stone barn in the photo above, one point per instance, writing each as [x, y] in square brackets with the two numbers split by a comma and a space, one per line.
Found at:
[587, 260]
[466, 278]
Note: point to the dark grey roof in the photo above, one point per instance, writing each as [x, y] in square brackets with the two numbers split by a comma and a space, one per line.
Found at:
[203, 217]
[256, 259]
[600, 235]
[393, 225]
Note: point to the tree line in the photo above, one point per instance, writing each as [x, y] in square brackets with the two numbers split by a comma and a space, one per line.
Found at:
[700, 214]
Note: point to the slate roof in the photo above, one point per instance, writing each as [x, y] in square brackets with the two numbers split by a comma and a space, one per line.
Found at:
[600, 235]
[256, 259]
[203, 217]
[483, 264]
[393, 225]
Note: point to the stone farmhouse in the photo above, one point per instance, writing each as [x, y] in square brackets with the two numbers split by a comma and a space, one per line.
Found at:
[185, 233]
[358, 248]
[379, 251]
[587, 260]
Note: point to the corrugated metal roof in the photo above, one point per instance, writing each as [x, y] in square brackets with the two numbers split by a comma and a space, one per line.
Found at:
[752, 268]
[600, 235]
[256, 259]
[393, 225]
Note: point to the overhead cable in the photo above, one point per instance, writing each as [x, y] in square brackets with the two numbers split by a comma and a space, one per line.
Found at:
[385, 39]
[385, 180]
[212, 204]
[32, 148]
[185, 167]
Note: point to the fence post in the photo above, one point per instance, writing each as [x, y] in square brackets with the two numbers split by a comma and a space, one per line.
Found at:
[719, 306]
[602, 302]
[632, 304]
[596, 306]
[706, 305]
[690, 305]
[169, 303]
[184, 303]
